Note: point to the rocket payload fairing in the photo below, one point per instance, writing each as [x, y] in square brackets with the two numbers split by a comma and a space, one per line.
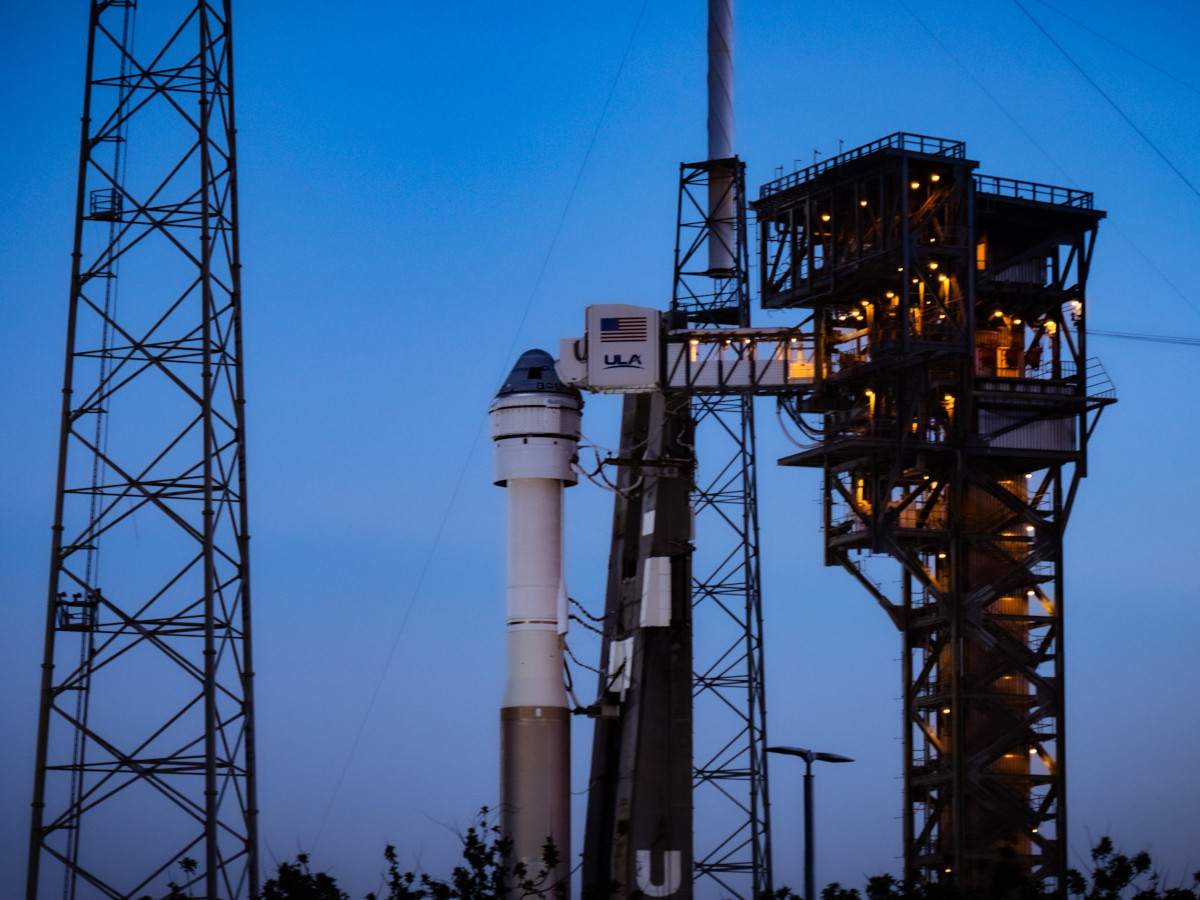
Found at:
[535, 426]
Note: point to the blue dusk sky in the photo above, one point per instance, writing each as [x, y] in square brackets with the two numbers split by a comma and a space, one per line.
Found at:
[428, 189]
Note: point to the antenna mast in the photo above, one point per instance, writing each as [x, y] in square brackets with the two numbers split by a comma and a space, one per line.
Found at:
[728, 687]
[145, 748]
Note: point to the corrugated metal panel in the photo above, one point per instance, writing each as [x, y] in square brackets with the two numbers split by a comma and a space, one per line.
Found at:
[1034, 434]
[1027, 271]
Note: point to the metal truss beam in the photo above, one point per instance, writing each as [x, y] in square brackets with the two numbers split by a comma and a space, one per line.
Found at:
[730, 774]
[638, 839]
[149, 568]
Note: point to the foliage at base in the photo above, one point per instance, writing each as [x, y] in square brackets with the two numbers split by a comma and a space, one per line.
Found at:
[1114, 876]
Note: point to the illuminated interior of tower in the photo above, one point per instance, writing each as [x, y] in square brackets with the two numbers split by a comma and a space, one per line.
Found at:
[951, 405]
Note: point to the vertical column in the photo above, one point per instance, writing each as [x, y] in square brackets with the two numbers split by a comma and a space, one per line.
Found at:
[721, 207]
[535, 426]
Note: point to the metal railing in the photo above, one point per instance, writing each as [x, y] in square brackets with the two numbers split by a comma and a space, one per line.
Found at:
[1099, 385]
[1031, 190]
[901, 140]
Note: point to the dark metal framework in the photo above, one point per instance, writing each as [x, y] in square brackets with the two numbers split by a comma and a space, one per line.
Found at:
[681, 712]
[730, 769]
[950, 412]
[638, 839]
[145, 749]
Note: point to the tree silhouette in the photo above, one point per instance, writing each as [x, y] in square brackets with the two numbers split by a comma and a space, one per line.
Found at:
[486, 873]
[1113, 876]
[295, 881]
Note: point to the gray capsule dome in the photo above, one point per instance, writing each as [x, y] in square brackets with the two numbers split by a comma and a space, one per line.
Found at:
[534, 373]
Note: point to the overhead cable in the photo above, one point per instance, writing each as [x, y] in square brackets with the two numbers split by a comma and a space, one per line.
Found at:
[418, 584]
[1156, 338]
[1123, 49]
[1032, 140]
[1108, 99]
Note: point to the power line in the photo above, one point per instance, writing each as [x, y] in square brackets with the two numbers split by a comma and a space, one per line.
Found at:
[1155, 338]
[1123, 49]
[1108, 99]
[425, 567]
[1046, 153]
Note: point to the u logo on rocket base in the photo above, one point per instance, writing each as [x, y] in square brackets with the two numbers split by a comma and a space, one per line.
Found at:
[672, 873]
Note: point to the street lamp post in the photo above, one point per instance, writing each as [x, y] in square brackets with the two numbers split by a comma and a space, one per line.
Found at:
[809, 756]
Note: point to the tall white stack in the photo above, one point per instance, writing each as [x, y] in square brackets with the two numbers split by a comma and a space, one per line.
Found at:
[721, 208]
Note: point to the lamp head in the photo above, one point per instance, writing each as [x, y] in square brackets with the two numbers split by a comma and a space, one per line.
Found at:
[810, 756]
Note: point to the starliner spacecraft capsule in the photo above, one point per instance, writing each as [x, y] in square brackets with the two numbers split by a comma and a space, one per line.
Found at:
[535, 426]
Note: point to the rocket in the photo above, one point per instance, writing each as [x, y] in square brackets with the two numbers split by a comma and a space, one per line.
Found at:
[535, 428]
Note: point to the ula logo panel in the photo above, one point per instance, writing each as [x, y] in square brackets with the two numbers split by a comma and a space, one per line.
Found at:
[616, 362]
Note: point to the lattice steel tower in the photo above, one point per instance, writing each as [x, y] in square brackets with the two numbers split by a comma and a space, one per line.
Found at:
[951, 409]
[729, 691]
[145, 750]
[680, 736]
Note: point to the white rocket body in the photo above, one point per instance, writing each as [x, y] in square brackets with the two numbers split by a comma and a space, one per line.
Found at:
[535, 426]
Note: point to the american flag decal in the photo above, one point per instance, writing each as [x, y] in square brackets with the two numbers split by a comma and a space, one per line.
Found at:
[623, 329]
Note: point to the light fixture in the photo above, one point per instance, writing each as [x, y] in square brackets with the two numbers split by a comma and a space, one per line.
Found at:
[946, 712]
[824, 217]
[915, 185]
[809, 757]
[935, 177]
[862, 202]
[932, 266]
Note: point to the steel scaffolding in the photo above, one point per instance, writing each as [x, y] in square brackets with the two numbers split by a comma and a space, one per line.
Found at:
[680, 732]
[950, 412]
[730, 768]
[145, 748]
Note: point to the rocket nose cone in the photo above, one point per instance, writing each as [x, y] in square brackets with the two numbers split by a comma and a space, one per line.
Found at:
[534, 373]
